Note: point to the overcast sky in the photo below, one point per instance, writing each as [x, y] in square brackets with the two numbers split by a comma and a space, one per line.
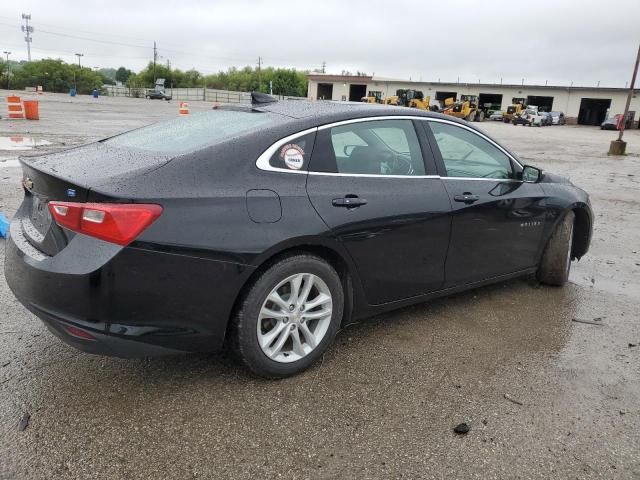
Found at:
[559, 41]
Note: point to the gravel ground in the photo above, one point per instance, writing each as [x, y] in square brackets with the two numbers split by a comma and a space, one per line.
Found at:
[546, 397]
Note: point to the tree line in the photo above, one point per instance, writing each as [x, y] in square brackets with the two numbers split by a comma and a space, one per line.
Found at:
[59, 76]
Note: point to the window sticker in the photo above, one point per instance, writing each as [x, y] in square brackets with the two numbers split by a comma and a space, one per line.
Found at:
[293, 156]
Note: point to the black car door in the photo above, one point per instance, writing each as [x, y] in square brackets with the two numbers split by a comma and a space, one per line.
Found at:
[370, 184]
[498, 220]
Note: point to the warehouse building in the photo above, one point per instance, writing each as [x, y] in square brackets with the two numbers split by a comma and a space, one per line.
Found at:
[581, 105]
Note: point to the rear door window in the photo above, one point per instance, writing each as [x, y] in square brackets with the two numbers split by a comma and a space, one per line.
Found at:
[375, 147]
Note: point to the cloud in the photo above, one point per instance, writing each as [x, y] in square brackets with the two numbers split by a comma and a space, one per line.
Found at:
[548, 40]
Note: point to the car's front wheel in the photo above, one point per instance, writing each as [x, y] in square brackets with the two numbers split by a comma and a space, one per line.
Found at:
[288, 317]
[556, 260]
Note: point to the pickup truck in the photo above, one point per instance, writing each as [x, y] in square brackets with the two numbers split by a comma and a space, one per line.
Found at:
[529, 117]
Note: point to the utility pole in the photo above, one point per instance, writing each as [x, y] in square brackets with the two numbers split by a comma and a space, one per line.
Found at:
[155, 58]
[618, 147]
[28, 30]
[259, 71]
[324, 66]
[8, 70]
[79, 55]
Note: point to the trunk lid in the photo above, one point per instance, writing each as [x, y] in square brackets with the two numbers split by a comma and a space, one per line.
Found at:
[70, 176]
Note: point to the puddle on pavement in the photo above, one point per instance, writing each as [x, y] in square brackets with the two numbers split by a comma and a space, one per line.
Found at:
[19, 142]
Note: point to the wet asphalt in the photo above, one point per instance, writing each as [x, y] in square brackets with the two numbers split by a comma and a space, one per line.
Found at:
[546, 396]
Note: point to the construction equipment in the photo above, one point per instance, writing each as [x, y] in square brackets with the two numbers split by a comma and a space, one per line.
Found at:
[513, 110]
[466, 108]
[373, 97]
[409, 98]
[392, 100]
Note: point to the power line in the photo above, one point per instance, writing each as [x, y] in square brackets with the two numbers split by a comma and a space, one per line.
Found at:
[108, 42]
[81, 31]
[62, 51]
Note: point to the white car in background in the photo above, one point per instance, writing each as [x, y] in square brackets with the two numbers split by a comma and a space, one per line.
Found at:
[558, 118]
[529, 117]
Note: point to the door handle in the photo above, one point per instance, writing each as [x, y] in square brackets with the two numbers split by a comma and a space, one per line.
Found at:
[467, 198]
[349, 201]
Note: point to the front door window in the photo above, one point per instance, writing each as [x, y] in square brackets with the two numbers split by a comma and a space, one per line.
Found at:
[468, 155]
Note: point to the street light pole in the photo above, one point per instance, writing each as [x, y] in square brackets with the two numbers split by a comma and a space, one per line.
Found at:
[618, 147]
[79, 55]
[8, 70]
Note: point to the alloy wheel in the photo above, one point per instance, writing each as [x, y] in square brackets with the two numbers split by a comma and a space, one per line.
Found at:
[294, 318]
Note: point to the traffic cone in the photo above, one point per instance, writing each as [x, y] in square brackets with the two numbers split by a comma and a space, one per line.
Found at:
[184, 108]
[14, 107]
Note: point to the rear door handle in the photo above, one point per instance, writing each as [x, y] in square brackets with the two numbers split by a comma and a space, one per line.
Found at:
[467, 198]
[349, 201]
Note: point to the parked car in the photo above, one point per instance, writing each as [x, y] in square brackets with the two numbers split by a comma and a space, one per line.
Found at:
[558, 118]
[528, 117]
[611, 123]
[497, 116]
[270, 227]
[547, 119]
[157, 95]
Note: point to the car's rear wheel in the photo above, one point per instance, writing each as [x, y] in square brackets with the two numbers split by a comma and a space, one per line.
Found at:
[556, 260]
[288, 317]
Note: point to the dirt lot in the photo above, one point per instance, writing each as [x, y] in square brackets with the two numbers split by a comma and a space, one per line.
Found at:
[546, 397]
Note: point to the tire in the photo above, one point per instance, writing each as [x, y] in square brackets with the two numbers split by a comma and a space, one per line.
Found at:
[555, 265]
[249, 322]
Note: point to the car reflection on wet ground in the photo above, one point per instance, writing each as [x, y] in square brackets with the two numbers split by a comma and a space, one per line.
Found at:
[547, 378]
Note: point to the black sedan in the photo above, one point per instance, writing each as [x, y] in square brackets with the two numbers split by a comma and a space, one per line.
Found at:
[266, 228]
[157, 95]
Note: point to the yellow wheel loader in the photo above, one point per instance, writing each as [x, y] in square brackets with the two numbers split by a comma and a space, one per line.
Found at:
[512, 112]
[467, 108]
[409, 98]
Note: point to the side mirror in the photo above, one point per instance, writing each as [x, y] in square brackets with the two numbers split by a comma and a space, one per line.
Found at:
[531, 174]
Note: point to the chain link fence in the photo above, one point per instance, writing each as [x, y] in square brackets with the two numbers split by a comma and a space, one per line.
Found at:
[191, 94]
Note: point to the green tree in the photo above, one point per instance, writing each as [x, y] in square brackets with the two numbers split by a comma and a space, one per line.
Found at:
[55, 76]
[122, 74]
[285, 81]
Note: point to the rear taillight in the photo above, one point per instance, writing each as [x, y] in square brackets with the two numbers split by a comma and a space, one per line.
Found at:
[117, 223]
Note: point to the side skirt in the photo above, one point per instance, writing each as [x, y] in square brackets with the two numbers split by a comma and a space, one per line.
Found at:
[371, 310]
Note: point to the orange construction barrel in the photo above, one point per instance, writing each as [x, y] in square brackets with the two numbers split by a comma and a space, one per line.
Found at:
[31, 109]
[14, 107]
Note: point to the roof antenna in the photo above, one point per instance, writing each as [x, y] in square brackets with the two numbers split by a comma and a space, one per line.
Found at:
[258, 98]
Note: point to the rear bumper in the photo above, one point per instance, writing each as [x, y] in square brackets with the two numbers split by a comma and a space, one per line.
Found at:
[102, 344]
[134, 301]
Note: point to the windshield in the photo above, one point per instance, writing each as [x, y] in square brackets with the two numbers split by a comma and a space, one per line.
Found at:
[193, 131]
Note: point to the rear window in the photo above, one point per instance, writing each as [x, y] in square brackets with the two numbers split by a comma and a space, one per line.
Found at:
[192, 132]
